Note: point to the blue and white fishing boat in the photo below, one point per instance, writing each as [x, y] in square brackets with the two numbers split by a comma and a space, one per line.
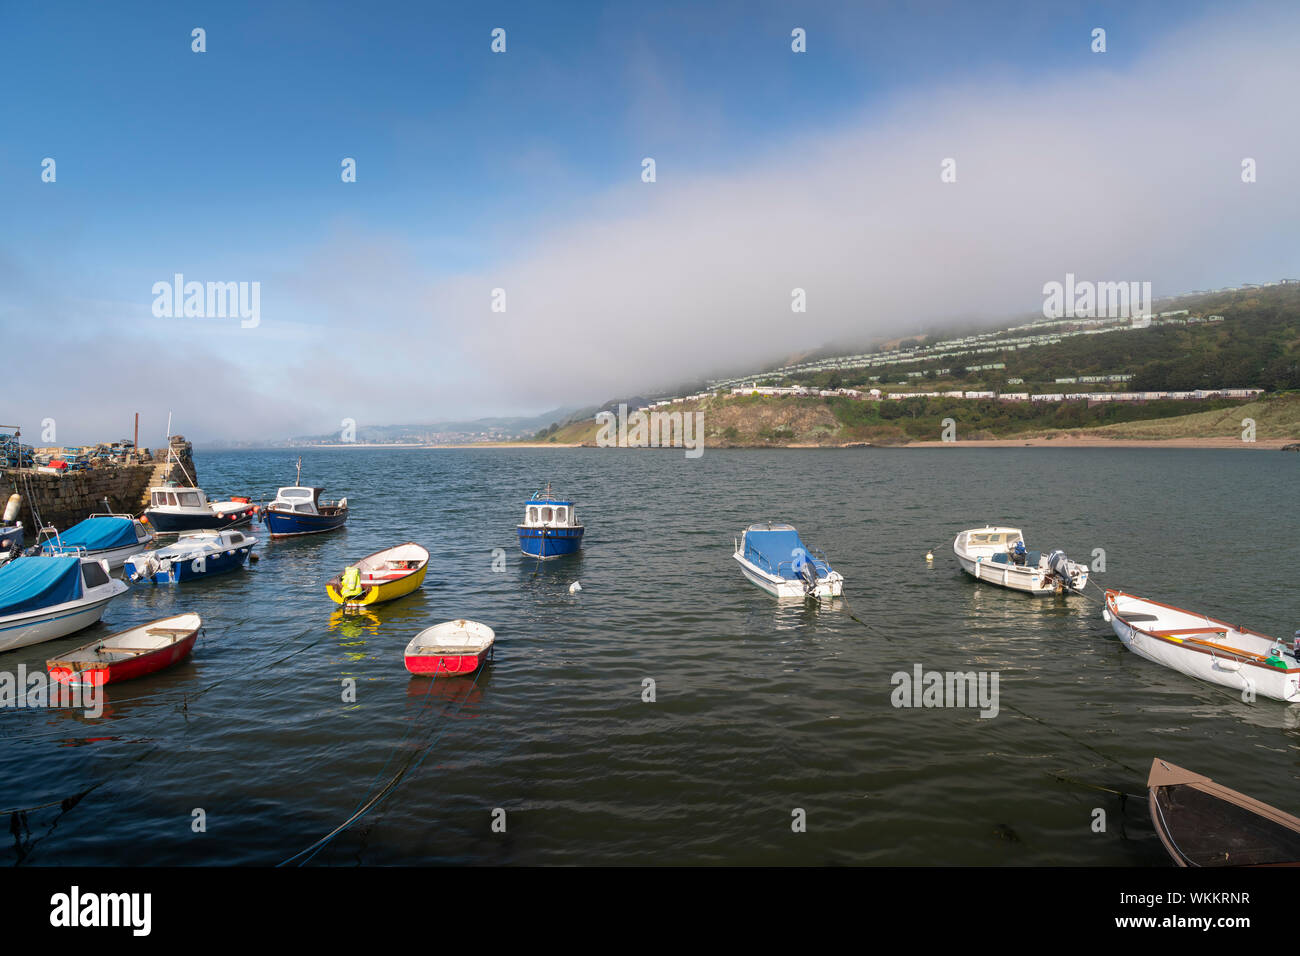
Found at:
[297, 511]
[196, 554]
[112, 538]
[773, 557]
[47, 596]
[551, 528]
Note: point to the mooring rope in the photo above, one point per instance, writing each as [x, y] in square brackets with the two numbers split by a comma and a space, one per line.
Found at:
[411, 764]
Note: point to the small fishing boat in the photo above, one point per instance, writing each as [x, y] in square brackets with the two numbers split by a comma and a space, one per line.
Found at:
[297, 510]
[195, 554]
[174, 509]
[43, 597]
[107, 537]
[455, 647]
[551, 528]
[1202, 647]
[127, 655]
[1202, 823]
[998, 556]
[773, 557]
[382, 576]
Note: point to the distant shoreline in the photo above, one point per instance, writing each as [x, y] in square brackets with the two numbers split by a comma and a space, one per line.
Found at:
[1262, 444]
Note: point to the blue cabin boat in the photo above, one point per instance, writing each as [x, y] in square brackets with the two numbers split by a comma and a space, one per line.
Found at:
[297, 511]
[197, 554]
[551, 528]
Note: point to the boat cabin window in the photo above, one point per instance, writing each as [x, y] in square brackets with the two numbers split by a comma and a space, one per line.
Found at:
[189, 498]
[561, 515]
[532, 516]
[93, 575]
[156, 498]
[295, 493]
[986, 539]
[305, 509]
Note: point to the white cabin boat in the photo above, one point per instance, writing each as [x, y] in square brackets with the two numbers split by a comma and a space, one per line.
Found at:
[43, 597]
[999, 556]
[773, 557]
[1200, 646]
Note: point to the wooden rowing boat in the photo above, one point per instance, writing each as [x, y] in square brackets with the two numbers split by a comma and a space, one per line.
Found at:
[456, 647]
[127, 655]
[1205, 648]
[1202, 823]
[383, 576]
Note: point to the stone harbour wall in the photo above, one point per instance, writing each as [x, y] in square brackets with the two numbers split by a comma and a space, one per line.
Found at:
[63, 500]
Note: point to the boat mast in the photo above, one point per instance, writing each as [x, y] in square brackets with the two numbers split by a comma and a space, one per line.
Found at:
[171, 455]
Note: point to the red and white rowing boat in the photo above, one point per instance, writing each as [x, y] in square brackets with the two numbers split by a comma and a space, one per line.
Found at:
[129, 654]
[456, 647]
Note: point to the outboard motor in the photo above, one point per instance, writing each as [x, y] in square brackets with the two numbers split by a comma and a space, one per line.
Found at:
[806, 569]
[1066, 571]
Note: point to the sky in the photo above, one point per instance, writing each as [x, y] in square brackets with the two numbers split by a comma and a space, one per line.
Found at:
[522, 171]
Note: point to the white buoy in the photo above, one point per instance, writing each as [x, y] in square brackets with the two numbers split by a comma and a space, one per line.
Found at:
[11, 508]
[575, 587]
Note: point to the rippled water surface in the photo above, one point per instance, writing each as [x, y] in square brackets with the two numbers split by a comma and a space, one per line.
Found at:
[760, 709]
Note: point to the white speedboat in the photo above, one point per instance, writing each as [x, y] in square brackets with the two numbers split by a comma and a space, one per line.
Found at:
[773, 557]
[999, 556]
[195, 554]
[1200, 646]
[47, 596]
[112, 538]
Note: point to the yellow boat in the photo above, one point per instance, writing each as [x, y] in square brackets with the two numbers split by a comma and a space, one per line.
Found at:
[382, 576]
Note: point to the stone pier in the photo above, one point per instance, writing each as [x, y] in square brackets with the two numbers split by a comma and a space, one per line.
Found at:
[63, 500]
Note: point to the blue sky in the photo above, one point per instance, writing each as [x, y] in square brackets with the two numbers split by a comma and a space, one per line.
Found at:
[478, 170]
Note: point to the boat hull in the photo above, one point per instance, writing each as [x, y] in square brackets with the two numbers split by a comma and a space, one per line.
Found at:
[1203, 663]
[548, 543]
[205, 566]
[119, 671]
[284, 525]
[165, 522]
[48, 624]
[1037, 581]
[379, 593]
[431, 665]
[785, 589]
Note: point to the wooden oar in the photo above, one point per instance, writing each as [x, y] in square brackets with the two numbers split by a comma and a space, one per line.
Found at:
[1218, 647]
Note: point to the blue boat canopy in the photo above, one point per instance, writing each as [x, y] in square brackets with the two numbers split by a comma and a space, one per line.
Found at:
[100, 533]
[779, 551]
[38, 581]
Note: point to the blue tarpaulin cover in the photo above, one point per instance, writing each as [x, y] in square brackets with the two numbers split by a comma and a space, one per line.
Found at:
[100, 534]
[780, 553]
[29, 583]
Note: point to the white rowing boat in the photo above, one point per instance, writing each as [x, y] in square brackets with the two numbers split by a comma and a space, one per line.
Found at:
[1205, 648]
